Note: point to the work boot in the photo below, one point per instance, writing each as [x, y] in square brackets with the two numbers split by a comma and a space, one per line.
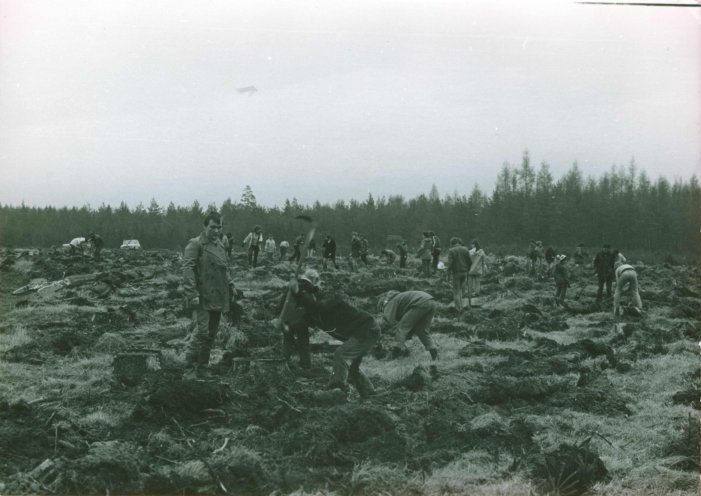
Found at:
[434, 354]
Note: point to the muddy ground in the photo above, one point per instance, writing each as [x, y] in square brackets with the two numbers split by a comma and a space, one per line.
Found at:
[526, 397]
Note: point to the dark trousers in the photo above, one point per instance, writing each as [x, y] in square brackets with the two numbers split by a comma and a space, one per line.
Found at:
[296, 255]
[434, 261]
[326, 259]
[283, 252]
[426, 266]
[402, 261]
[604, 279]
[297, 340]
[253, 255]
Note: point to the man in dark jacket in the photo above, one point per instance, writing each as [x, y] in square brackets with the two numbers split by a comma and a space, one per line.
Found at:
[459, 263]
[603, 266]
[208, 286]
[297, 247]
[358, 331]
[328, 249]
[412, 313]
[403, 252]
[356, 246]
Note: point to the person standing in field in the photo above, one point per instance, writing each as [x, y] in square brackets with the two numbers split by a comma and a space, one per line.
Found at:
[459, 265]
[229, 246]
[208, 286]
[626, 281]
[311, 248]
[328, 252]
[579, 255]
[603, 266]
[550, 259]
[424, 253]
[477, 269]
[561, 279]
[297, 248]
[254, 240]
[412, 313]
[269, 247]
[403, 252]
[356, 247]
[364, 249]
[435, 251]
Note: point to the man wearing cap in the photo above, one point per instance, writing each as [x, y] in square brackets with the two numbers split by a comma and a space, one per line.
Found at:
[459, 264]
[208, 287]
[412, 313]
[603, 266]
[561, 279]
[295, 324]
[254, 241]
[358, 331]
[626, 276]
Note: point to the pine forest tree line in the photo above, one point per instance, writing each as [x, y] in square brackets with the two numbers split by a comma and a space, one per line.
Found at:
[623, 207]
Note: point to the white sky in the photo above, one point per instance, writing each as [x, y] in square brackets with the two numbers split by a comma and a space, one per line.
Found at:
[128, 100]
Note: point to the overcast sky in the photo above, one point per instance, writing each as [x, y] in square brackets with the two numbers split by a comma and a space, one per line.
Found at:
[128, 100]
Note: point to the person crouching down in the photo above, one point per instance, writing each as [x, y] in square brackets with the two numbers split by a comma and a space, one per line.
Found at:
[356, 328]
[626, 277]
[412, 312]
[295, 324]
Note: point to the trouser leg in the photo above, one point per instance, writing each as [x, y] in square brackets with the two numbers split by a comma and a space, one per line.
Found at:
[200, 345]
[352, 351]
[416, 322]
[424, 323]
[458, 284]
[609, 282]
[600, 290]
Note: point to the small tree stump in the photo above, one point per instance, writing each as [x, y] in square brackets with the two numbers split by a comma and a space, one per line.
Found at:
[131, 367]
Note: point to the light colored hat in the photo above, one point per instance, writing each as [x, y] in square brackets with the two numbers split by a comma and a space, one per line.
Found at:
[560, 258]
[312, 277]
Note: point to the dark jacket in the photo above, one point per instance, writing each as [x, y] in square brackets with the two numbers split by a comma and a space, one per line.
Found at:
[356, 246]
[329, 248]
[550, 254]
[303, 298]
[560, 275]
[459, 261]
[401, 247]
[339, 318]
[603, 263]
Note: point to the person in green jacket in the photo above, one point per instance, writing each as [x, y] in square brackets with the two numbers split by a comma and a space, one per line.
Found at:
[208, 286]
[411, 312]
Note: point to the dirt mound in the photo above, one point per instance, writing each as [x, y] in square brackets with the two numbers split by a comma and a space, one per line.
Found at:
[185, 398]
[358, 424]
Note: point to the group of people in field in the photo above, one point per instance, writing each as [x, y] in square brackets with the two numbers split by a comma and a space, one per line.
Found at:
[210, 291]
[610, 266]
